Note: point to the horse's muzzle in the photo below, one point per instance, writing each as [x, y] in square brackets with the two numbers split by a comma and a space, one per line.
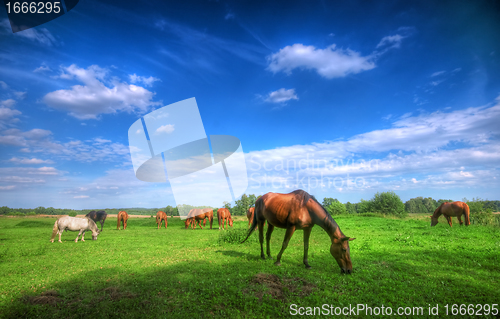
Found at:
[346, 271]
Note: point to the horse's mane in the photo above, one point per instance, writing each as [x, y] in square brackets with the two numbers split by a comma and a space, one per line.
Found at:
[92, 223]
[303, 197]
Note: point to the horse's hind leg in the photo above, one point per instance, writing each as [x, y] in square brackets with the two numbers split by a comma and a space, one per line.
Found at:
[60, 233]
[460, 220]
[307, 234]
[261, 241]
[269, 232]
[289, 232]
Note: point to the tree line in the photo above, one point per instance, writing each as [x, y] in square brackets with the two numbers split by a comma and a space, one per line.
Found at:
[387, 203]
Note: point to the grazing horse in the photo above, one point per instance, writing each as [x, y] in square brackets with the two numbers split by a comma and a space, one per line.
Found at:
[197, 215]
[225, 215]
[97, 216]
[298, 210]
[74, 224]
[250, 213]
[161, 216]
[122, 216]
[449, 210]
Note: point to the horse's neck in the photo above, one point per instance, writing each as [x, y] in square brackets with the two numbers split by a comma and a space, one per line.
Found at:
[437, 212]
[328, 224]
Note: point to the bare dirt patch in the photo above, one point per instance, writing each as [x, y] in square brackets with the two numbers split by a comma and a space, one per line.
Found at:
[277, 288]
[49, 297]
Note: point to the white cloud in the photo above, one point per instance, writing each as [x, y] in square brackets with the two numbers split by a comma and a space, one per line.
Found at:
[281, 96]
[147, 81]
[167, 128]
[7, 187]
[30, 161]
[329, 63]
[423, 146]
[81, 196]
[8, 103]
[4, 85]
[96, 97]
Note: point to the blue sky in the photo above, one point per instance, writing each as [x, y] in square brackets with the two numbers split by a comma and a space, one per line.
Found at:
[342, 99]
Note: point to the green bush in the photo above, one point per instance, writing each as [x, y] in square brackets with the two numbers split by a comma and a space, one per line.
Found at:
[336, 208]
[485, 218]
[72, 214]
[388, 203]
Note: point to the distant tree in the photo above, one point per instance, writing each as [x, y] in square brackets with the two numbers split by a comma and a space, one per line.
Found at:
[4, 210]
[327, 201]
[40, 210]
[442, 201]
[475, 205]
[363, 206]
[350, 208]
[252, 199]
[227, 205]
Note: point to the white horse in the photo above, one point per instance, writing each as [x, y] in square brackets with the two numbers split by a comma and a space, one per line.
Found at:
[74, 224]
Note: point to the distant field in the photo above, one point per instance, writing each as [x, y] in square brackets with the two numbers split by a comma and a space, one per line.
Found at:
[143, 272]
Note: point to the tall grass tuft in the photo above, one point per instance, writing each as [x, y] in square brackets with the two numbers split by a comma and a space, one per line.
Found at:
[235, 236]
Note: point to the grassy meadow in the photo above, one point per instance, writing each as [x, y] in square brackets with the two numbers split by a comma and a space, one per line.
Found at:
[143, 272]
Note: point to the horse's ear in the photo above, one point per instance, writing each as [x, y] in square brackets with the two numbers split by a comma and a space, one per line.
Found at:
[430, 216]
[351, 239]
[347, 238]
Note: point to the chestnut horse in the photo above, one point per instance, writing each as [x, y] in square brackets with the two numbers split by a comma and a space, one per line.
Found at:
[161, 216]
[225, 215]
[197, 215]
[449, 210]
[97, 216]
[299, 210]
[122, 216]
[250, 213]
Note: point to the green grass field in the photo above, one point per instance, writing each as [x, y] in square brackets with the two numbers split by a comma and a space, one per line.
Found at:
[143, 272]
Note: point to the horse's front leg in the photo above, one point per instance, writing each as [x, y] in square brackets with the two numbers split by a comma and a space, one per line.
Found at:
[261, 240]
[307, 234]
[76, 240]
[449, 221]
[83, 235]
[289, 232]
[460, 220]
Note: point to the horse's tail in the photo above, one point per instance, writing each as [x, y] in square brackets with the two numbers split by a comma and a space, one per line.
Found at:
[55, 229]
[467, 215]
[258, 206]
[118, 220]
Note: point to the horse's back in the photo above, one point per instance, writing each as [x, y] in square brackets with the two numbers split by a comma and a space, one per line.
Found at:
[282, 210]
[454, 209]
[73, 223]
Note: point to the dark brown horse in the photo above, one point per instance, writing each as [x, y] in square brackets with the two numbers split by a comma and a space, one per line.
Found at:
[225, 215]
[161, 216]
[449, 210]
[97, 216]
[298, 210]
[197, 215]
[122, 216]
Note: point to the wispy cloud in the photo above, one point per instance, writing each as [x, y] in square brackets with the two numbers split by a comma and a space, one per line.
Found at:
[30, 161]
[39, 35]
[147, 81]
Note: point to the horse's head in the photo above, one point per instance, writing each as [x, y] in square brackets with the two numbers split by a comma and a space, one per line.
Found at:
[434, 221]
[230, 221]
[95, 233]
[341, 252]
[187, 222]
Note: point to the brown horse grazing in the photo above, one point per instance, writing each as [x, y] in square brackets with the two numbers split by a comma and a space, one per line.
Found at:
[225, 215]
[299, 210]
[449, 210]
[122, 216]
[161, 216]
[197, 215]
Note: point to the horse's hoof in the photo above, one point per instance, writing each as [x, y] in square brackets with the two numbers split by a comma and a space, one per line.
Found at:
[277, 263]
[263, 257]
[308, 267]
